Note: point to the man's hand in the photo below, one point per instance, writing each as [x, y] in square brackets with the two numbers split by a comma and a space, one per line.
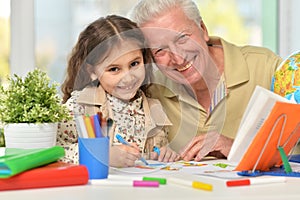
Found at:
[212, 143]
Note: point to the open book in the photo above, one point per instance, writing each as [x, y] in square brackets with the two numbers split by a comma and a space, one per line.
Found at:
[258, 109]
[271, 120]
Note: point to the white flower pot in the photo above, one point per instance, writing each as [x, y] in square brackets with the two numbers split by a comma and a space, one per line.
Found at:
[30, 135]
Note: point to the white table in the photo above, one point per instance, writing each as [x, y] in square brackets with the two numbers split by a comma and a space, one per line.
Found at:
[288, 190]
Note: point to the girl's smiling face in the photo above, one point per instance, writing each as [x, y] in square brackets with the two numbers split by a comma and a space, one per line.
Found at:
[122, 72]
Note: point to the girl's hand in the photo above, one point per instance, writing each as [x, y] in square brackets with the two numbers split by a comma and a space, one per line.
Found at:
[166, 155]
[123, 155]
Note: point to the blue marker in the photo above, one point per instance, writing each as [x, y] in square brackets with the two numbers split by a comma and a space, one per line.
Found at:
[156, 149]
[121, 139]
[98, 132]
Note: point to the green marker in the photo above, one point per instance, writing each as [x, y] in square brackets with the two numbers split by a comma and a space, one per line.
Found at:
[286, 164]
[161, 181]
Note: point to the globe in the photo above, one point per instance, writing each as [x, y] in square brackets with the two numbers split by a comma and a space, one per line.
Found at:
[286, 80]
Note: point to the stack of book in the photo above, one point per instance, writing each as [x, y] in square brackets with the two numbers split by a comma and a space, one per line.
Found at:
[38, 168]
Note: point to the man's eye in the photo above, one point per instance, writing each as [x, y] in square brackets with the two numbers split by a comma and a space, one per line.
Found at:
[182, 39]
[159, 52]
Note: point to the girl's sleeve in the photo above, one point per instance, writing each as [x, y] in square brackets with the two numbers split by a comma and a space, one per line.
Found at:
[67, 136]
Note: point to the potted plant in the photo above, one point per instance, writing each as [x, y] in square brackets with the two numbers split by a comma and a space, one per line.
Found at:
[30, 110]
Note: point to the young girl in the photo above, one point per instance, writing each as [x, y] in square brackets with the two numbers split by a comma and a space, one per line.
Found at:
[108, 72]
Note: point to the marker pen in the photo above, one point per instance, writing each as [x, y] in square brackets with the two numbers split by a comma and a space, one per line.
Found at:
[193, 184]
[138, 183]
[134, 183]
[161, 181]
[256, 181]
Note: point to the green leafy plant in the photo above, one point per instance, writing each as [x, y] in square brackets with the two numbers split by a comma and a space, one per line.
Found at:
[32, 99]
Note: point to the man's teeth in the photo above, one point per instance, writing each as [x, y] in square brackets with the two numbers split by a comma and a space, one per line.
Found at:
[185, 67]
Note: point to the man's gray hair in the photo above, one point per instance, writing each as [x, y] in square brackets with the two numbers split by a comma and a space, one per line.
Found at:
[146, 10]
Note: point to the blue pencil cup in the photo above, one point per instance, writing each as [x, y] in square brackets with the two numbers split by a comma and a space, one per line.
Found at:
[94, 154]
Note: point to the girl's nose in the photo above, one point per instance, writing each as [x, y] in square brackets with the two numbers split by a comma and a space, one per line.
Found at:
[128, 77]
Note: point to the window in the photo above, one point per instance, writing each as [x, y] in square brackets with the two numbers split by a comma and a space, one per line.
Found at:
[4, 38]
[53, 27]
[237, 21]
[57, 33]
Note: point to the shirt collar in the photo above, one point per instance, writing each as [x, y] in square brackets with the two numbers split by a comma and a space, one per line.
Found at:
[235, 66]
[92, 96]
[130, 107]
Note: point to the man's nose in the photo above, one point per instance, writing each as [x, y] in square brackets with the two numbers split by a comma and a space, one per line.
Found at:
[176, 55]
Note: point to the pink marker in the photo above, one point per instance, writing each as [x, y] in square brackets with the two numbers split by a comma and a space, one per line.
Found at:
[137, 183]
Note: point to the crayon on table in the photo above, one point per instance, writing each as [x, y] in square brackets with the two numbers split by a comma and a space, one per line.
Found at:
[193, 184]
[138, 183]
[161, 181]
[202, 186]
[255, 181]
[107, 182]
[134, 183]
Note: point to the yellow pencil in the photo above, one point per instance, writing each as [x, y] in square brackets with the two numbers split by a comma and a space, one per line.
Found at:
[89, 127]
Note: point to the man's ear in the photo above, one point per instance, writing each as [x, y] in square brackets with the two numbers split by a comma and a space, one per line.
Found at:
[90, 70]
[205, 31]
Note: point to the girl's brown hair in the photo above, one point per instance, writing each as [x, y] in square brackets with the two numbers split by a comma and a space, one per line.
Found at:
[93, 45]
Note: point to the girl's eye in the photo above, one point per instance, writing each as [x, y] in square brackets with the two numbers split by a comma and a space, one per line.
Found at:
[113, 69]
[134, 63]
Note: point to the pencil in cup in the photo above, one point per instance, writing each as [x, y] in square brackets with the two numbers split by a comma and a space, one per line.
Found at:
[97, 126]
[80, 126]
[105, 124]
[89, 126]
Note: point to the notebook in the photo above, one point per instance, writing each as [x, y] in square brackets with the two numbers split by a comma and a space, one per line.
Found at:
[51, 175]
[14, 161]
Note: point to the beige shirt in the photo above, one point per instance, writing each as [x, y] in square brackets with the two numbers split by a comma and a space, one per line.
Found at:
[244, 68]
